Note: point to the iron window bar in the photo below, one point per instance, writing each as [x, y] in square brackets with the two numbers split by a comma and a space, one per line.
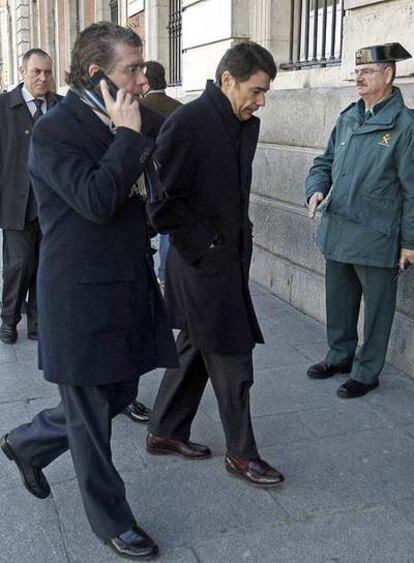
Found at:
[316, 34]
[174, 36]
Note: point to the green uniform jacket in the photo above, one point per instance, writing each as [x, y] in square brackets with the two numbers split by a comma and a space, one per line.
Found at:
[367, 177]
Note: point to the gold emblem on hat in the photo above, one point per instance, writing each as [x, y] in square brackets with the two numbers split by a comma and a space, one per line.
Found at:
[359, 55]
[385, 141]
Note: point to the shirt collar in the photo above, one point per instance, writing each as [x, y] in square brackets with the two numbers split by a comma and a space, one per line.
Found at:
[28, 97]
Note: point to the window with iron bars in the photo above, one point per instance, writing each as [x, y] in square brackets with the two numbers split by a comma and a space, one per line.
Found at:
[316, 33]
[114, 10]
[174, 36]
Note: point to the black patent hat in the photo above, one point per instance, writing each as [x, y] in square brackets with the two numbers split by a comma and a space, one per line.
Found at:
[389, 52]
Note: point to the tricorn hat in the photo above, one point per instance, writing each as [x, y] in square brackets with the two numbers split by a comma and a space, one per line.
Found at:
[389, 52]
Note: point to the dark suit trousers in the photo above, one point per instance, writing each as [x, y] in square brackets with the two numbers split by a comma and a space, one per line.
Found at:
[20, 259]
[82, 422]
[181, 390]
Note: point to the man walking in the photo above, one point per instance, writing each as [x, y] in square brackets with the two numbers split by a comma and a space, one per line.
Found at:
[364, 183]
[205, 152]
[156, 99]
[101, 318]
[19, 111]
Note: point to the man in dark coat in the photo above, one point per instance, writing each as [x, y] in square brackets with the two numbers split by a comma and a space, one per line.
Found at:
[19, 110]
[101, 316]
[364, 182]
[205, 152]
[156, 99]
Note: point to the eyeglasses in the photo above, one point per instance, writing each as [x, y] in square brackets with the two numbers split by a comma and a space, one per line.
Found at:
[133, 70]
[367, 71]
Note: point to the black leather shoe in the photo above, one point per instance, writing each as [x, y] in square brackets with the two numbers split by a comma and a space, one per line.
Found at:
[256, 472]
[8, 333]
[189, 450]
[138, 412]
[322, 370]
[32, 477]
[32, 335]
[352, 389]
[134, 544]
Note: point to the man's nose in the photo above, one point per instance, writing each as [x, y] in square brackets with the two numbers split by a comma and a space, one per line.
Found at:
[142, 79]
[261, 101]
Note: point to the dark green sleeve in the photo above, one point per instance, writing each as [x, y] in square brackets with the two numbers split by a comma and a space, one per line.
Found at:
[405, 166]
[320, 175]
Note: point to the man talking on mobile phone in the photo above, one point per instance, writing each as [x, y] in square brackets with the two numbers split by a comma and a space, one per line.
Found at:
[101, 318]
[364, 185]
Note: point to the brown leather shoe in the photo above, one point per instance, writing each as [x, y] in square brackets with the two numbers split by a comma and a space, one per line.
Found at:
[256, 472]
[189, 450]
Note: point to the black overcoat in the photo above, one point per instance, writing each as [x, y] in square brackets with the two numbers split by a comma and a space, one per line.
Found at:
[16, 126]
[101, 316]
[205, 156]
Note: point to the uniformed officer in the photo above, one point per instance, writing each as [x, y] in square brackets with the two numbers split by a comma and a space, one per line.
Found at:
[364, 185]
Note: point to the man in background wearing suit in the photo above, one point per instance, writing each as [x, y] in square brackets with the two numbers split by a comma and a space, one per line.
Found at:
[156, 99]
[19, 111]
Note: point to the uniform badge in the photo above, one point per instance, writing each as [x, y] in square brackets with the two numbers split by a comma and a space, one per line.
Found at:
[385, 141]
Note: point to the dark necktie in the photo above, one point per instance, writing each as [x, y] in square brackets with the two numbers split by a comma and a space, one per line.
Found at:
[38, 113]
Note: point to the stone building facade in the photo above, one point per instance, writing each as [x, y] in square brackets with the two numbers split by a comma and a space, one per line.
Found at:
[314, 84]
[314, 43]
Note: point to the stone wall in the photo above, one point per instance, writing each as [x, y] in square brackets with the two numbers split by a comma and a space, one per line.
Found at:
[295, 127]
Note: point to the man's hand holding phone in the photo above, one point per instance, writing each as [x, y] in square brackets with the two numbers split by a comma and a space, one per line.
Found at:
[124, 110]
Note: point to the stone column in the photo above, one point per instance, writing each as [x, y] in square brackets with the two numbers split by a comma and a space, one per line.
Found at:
[22, 36]
[156, 33]
[269, 26]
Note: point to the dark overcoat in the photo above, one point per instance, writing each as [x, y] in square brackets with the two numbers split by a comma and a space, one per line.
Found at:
[101, 316]
[205, 155]
[16, 126]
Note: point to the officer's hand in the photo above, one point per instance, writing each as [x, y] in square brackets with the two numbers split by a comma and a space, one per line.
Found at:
[314, 201]
[124, 111]
[406, 257]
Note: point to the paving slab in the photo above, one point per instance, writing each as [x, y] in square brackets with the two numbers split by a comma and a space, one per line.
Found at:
[345, 472]
[370, 536]
[349, 495]
[29, 529]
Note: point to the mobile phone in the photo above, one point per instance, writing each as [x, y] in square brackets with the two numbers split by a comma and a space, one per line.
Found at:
[94, 94]
[95, 82]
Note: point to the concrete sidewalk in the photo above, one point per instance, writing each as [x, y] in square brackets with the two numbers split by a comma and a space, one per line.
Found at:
[349, 495]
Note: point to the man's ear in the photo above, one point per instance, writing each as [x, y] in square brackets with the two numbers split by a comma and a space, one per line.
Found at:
[227, 80]
[22, 71]
[93, 68]
[388, 75]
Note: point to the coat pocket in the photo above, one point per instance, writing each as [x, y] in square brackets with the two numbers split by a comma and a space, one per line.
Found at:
[105, 299]
[379, 214]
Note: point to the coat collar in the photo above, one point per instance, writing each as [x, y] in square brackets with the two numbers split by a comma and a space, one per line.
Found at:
[151, 121]
[383, 118]
[95, 127]
[223, 106]
[16, 98]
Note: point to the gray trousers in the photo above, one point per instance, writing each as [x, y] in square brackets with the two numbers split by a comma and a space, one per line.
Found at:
[345, 285]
